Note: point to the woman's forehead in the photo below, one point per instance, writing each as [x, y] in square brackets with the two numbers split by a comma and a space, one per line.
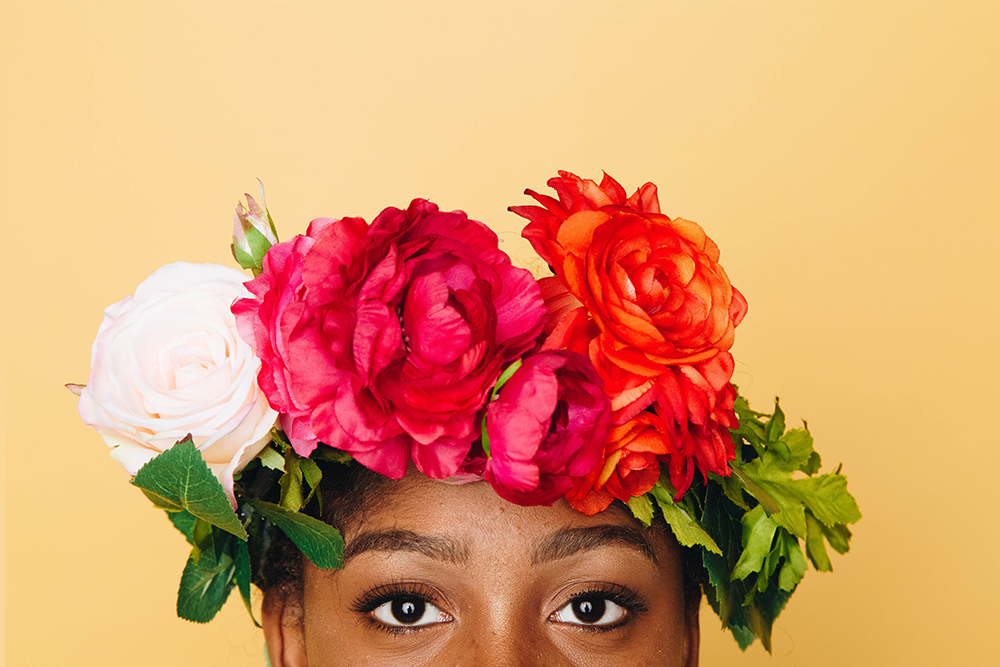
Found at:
[450, 522]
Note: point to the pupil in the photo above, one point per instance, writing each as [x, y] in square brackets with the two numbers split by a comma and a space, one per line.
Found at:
[589, 610]
[408, 610]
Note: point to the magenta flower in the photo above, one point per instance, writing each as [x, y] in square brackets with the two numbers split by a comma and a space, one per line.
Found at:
[390, 336]
[548, 424]
[268, 320]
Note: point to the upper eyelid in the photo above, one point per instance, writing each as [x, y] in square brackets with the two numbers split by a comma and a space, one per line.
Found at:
[623, 596]
[373, 598]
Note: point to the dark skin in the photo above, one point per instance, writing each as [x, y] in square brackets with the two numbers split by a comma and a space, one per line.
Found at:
[455, 575]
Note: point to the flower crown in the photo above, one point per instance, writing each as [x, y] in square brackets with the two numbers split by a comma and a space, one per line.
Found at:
[414, 340]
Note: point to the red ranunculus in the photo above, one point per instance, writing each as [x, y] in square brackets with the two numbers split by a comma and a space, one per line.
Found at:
[397, 332]
[547, 425]
[696, 402]
[644, 296]
[630, 467]
[653, 285]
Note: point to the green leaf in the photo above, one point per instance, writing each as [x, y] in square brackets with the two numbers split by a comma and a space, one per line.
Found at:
[815, 546]
[205, 585]
[800, 446]
[795, 563]
[682, 522]
[181, 480]
[721, 520]
[291, 482]
[270, 458]
[642, 508]
[825, 495]
[202, 533]
[327, 453]
[321, 543]
[278, 438]
[184, 522]
[769, 504]
[743, 636]
[733, 488]
[242, 574]
[781, 449]
[828, 499]
[222, 542]
[776, 426]
[313, 476]
[311, 472]
[839, 537]
[758, 534]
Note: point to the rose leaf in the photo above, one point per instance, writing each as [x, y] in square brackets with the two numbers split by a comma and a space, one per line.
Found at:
[205, 586]
[242, 575]
[320, 542]
[184, 522]
[181, 478]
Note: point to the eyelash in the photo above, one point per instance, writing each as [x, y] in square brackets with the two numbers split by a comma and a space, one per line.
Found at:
[624, 597]
[371, 600]
[374, 598]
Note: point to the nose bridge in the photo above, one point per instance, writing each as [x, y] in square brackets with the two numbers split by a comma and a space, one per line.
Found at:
[506, 646]
[507, 637]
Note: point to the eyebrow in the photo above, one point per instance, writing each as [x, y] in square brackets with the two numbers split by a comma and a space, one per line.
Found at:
[433, 546]
[571, 541]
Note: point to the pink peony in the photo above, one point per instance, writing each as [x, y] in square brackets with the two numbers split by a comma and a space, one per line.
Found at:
[548, 425]
[388, 337]
[265, 322]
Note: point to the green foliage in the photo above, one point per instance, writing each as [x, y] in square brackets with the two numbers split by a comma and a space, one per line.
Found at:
[205, 584]
[299, 472]
[184, 522]
[243, 575]
[270, 458]
[321, 543]
[179, 479]
[642, 508]
[331, 455]
[681, 518]
[750, 523]
[758, 535]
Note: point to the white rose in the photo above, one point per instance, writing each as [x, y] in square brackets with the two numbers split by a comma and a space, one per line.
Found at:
[168, 361]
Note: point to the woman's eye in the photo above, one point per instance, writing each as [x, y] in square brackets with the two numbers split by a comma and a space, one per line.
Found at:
[409, 611]
[590, 611]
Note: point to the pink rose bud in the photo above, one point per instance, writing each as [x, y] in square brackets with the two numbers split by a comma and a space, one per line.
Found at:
[253, 232]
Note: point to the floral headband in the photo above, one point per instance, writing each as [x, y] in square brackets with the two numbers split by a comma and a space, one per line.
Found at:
[414, 339]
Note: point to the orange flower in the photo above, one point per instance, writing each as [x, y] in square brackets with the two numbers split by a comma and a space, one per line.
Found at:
[652, 285]
[630, 467]
[645, 298]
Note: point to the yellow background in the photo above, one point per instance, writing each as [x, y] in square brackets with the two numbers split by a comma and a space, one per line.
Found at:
[844, 157]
